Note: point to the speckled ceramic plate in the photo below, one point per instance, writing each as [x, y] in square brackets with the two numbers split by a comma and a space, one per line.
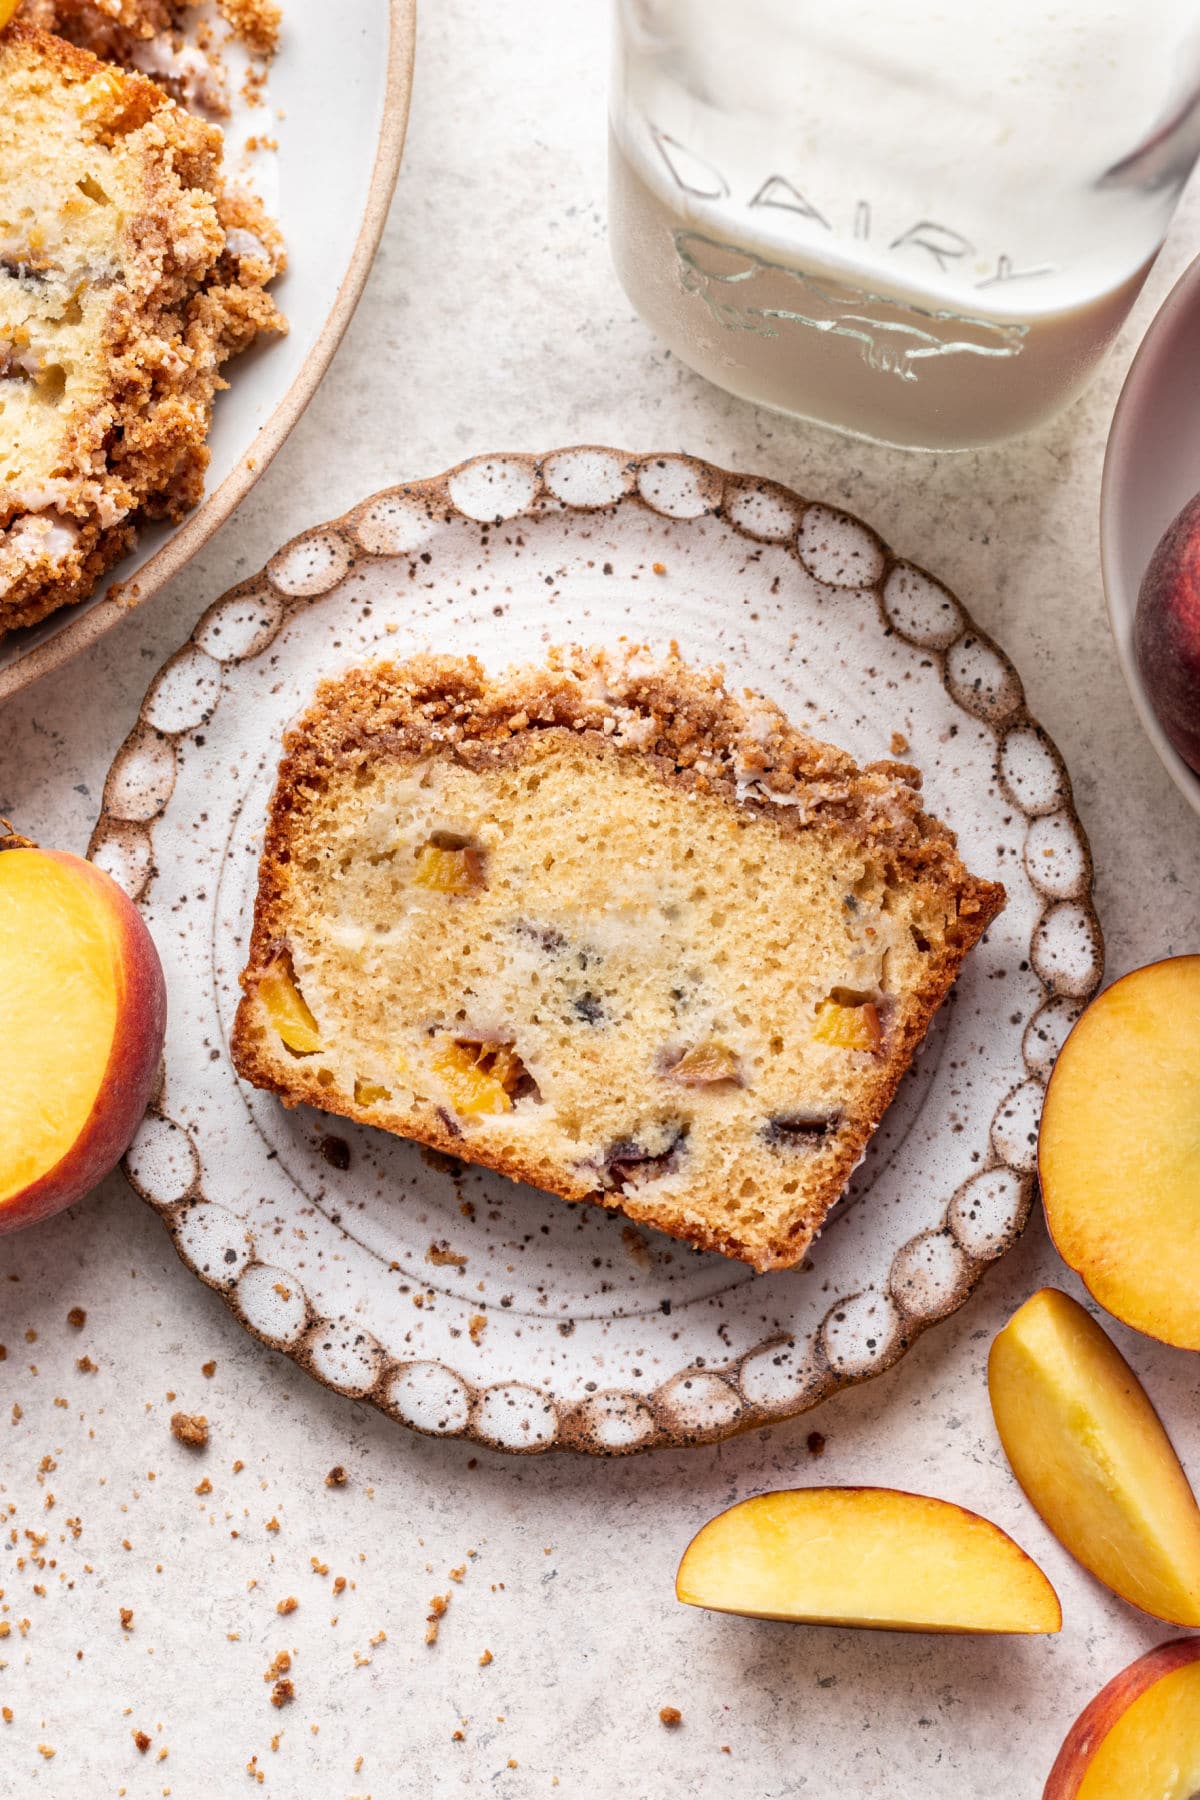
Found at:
[457, 1302]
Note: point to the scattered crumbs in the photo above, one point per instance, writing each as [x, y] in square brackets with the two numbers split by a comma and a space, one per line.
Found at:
[285, 1293]
[279, 1665]
[899, 743]
[203, 1487]
[46, 1750]
[336, 1476]
[456, 1737]
[3, 1353]
[238, 1466]
[476, 1326]
[339, 1583]
[660, 568]
[275, 1739]
[142, 1740]
[444, 1257]
[513, 1763]
[725, 1750]
[31, 1336]
[209, 1369]
[437, 1609]
[17, 1414]
[485, 1659]
[127, 1618]
[457, 1574]
[272, 1524]
[190, 1429]
[670, 1716]
[77, 1317]
[284, 1692]
[816, 1443]
[287, 1605]
[6, 1713]
[85, 1365]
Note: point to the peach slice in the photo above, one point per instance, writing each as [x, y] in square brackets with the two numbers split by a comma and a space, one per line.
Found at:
[83, 1011]
[479, 1078]
[1119, 1150]
[1091, 1454]
[7, 9]
[1139, 1739]
[848, 1023]
[287, 1008]
[449, 870]
[866, 1556]
[708, 1064]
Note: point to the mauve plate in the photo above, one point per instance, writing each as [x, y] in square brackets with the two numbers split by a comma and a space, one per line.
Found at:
[462, 1304]
[1151, 471]
[337, 109]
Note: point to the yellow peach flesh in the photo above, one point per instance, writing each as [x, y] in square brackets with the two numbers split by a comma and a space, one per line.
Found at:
[1139, 1739]
[477, 1077]
[848, 1027]
[1090, 1452]
[288, 1011]
[448, 871]
[870, 1557]
[1119, 1150]
[60, 1000]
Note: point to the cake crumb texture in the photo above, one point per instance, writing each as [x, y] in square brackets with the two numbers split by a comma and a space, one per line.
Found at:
[128, 277]
[604, 927]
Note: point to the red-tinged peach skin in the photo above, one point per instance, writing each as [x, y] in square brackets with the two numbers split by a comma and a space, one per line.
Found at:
[82, 1019]
[1119, 1150]
[874, 1557]
[1166, 633]
[1139, 1739]
[1091, 1454]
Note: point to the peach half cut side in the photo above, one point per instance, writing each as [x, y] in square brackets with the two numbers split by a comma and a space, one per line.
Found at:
[82, 1019]
[1139, 1739]
[1091, 1453]
[1119, 1151]
[866, 1556]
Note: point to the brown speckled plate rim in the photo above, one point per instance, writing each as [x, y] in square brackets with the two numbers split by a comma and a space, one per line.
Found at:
[80, 630]
[575, 1425]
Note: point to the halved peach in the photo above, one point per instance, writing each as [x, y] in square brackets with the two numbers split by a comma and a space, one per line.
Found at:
[1091, 1453]
[1119, 1150]
[1139, 1739]
[83, 1007]
[873, 1557]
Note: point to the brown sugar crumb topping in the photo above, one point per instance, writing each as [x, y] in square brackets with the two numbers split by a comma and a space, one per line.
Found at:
[190, 1429]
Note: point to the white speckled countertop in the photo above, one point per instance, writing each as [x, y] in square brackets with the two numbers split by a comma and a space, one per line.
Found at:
[493, 321]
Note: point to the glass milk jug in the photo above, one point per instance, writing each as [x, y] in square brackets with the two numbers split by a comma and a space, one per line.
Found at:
[918, 223]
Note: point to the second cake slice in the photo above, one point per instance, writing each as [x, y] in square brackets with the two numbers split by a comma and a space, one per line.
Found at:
[604, 928]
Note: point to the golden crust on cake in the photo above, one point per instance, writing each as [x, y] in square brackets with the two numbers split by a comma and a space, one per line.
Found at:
[128, 276]
[604, 927]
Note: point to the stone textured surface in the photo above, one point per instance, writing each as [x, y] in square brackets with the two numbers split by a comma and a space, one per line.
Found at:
[493, 321]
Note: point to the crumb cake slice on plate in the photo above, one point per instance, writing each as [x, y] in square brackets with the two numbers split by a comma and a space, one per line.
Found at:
[127, 278]
[604, 927]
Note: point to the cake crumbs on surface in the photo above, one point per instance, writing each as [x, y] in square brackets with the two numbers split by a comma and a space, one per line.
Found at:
[86, 1366]
[485, 1659]
[6, 1713]
[208, 1369]
[141, 1739]
[336, 1477]
[287, 1605]
[444, 1257]
[77, 1318]
[272, 1524]
[670, 1716]
[203, 1486]
[476, 1326]
[190, 1429]
[660, 568]
[127, 1618]
[899, 744]
[255, 22]
[284, 1691]
[279, 1665]
[437, 1611]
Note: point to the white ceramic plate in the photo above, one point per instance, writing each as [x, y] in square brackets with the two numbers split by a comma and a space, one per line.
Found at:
[342, 80]
[458, 1302]
[1151, 471]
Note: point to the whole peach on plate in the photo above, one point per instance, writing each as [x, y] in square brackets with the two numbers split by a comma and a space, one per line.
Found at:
[1139, 1739]
[83, 1011]
[1167, 632]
